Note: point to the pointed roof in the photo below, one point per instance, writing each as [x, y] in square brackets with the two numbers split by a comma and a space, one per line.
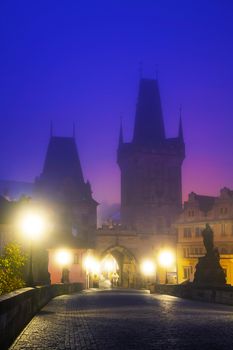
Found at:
[149, 126]
[181, 134]
[62, 160]
[121, 139]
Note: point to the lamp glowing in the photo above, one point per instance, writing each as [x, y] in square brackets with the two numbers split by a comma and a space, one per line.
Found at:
[109, 264]
[33, 225]
[148, 268]
[63, 257]
[166, 258]
[91, 265]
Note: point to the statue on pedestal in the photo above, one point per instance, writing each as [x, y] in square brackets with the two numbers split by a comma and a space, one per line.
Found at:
[209, 272]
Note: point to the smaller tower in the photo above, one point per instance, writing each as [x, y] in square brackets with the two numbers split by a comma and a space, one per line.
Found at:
[62, 185]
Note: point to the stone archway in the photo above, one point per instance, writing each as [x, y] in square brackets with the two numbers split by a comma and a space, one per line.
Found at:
[127, 266]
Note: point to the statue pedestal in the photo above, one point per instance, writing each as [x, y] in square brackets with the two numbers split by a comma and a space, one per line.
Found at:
[209, 271]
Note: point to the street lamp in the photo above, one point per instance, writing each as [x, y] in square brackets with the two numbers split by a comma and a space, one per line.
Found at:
[166, 258]
[91, 266]
[32, 225]
[148, 269]
[63, 258]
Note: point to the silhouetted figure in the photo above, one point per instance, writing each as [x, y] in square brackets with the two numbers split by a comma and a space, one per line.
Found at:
[208, 269]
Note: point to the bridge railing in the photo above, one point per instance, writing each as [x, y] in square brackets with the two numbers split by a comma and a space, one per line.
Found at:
[18, 307]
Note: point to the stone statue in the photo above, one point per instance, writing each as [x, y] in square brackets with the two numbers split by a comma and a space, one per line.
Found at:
[208, 239]
[208, 269]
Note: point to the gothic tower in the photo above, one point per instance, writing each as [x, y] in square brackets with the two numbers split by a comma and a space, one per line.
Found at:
[150, 165]
[62, 185]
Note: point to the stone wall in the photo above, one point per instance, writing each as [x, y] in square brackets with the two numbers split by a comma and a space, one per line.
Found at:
[221, 295]
[18, 307]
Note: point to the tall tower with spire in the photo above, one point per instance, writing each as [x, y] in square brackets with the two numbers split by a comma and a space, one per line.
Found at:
[62, 185]
[150, 165]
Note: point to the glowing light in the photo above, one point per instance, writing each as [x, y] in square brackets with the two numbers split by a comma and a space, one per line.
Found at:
[91, 265]
[33, 225]
[166, 258]
[148, 268]
[109, 264]
[63, 257]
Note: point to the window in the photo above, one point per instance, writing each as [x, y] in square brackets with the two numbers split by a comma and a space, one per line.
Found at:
[187, 232]
[224, 251]
[198, 231]
[187, 271]
[186, 252]
[223, 229]
[191, 213]
[223, 211]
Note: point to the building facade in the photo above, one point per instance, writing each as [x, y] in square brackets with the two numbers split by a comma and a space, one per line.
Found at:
[198, 211]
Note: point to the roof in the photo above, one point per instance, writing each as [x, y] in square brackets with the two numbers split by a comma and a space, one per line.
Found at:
[205, 203]
[149, 126]
[62, 159]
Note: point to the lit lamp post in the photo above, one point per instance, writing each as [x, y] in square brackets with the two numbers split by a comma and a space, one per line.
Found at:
[63, 258]
[33, 226]
[148, 269]
[91, 266]
[166, 259]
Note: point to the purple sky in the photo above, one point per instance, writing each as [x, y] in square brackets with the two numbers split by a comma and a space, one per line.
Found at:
[78, 61]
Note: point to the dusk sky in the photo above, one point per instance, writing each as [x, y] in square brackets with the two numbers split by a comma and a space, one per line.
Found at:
[78, 61]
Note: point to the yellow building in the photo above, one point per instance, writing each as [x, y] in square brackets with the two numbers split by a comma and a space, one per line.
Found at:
[198, 211]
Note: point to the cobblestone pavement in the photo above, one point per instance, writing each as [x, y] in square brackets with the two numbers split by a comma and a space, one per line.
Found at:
[121, 320]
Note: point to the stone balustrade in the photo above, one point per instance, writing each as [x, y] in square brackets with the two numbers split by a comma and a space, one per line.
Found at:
[221, 295]
[18, 307]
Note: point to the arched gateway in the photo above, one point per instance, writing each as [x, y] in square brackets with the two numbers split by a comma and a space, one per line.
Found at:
[125, 273]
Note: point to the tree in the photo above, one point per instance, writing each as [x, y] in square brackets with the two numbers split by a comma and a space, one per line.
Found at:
[11, 265]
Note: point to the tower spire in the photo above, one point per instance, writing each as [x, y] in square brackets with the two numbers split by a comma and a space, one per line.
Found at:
[121, 140]
[149, 126]
[181, 135]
